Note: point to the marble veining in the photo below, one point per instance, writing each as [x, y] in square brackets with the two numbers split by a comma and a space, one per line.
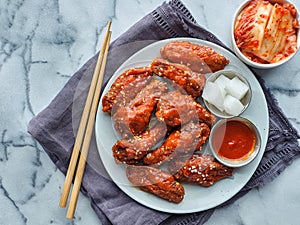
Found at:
[286, 91]
[42, 43]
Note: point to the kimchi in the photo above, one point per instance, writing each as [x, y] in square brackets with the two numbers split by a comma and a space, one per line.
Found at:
[265, 32]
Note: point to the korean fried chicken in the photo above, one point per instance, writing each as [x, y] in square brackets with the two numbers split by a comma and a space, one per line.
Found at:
[131, 151]
[134, 118]
[200, 169]
[125, 87]
[175, 108]
[201, 59]
[182, 75]
[156, 181]
[186, 140]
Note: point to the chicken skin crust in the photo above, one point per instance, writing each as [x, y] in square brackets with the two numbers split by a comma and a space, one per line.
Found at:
[185, 141]
[156, 181]
[200, 169]
[133, 119]
[190, 81]
[201, 59]
[131, 151]
[175, 108]
[125, 87]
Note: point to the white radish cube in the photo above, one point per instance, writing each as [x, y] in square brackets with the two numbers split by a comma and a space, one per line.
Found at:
[232, 105]
[222, 81]
[222, 89]
[236, 88]
[213, 94]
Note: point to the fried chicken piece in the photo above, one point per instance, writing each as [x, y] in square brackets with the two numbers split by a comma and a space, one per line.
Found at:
[131, 151]
[125, 87]
[134, 118]
[205, 116]
[187, 140]
[200, 169]
[156, 181]
[175, 108]
[201, 59]
[182, 75]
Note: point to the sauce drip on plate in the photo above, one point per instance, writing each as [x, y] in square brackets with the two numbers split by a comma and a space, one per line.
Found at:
[234, 140]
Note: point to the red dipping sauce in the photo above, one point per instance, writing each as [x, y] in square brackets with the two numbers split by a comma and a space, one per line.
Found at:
[234, 140]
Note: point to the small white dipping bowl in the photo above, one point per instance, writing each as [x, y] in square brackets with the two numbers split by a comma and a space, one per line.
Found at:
[245, 59]
[245, 100]
[234, 162]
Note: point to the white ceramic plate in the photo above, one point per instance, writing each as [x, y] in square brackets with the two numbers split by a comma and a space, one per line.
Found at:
[196, 198]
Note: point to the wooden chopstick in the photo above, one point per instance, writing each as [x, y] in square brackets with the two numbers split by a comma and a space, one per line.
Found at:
[87, 139]
[93, 96]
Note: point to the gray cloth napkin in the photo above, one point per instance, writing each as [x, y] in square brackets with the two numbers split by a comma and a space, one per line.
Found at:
[55, 127]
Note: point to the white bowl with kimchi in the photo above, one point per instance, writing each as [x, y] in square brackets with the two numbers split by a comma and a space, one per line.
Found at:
[265, 34]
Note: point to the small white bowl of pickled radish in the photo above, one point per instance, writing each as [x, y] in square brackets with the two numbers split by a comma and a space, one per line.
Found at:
[226, 93]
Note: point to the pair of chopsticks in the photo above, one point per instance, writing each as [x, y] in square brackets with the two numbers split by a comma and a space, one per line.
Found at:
[85, 130]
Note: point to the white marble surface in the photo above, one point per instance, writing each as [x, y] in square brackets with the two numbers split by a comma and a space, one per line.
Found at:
[42, 43]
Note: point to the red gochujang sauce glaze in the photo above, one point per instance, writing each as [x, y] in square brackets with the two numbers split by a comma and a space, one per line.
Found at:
[234, 140]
